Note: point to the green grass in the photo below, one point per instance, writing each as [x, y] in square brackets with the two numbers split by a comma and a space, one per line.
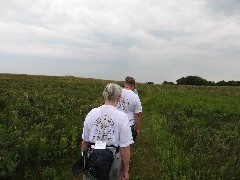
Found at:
[197, 132]
[187, 132]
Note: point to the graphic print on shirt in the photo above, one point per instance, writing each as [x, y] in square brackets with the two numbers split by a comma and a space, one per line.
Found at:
[123, 105]
[104, 129]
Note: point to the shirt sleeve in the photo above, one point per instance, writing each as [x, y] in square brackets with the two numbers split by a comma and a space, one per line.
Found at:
[86, 129]
[138, 107]
[125, 133]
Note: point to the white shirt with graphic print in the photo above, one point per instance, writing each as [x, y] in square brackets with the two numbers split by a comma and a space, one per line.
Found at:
[129, 104]
[109, 124]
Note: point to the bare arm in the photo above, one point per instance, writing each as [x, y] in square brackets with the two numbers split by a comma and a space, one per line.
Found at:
[84, 145]
[125, 152]
[138, 117]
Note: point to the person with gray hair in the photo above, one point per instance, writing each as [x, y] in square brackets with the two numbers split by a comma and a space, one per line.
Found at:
[106, 128]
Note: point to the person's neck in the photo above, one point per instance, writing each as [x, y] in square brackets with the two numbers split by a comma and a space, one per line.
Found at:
[128, 87]
[111, 103]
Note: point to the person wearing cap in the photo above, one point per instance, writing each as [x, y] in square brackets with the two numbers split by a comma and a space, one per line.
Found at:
[108, 125]
[130, 104]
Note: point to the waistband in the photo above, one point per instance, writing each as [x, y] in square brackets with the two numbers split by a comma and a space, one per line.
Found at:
[117, 148]
[108, 146]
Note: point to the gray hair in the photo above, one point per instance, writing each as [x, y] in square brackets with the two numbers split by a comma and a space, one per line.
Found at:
[112, 91]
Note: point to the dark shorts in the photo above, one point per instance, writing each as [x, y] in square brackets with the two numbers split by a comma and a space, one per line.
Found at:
[134, 133]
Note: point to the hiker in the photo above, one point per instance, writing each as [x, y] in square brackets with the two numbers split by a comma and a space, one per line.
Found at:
[130, 104]
[106, 129]
[131, 80]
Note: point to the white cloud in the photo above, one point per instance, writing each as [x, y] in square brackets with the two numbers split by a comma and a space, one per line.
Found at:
[164, 39]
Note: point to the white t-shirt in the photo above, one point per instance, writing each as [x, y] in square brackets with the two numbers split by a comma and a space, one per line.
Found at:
[108, 124]
[135, 91]
[129, 104]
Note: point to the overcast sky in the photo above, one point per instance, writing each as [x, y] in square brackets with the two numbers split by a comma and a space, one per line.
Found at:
[151, 40]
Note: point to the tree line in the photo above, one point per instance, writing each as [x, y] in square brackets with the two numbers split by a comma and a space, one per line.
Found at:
[196, 80]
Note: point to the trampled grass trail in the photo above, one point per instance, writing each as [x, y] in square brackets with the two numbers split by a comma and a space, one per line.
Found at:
[144, 161]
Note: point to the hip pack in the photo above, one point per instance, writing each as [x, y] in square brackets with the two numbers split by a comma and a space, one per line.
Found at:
[99, 164]
[81, 164]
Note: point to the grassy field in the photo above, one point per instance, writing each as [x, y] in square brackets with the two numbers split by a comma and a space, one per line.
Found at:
[187, 132]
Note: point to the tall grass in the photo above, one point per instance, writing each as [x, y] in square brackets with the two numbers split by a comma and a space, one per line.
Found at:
[187, 132]
[197, 132]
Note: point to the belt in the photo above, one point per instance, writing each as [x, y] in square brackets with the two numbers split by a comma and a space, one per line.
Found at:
[111, 146]
[107, 146]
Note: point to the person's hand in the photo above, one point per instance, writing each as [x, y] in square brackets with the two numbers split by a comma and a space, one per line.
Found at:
[138, 132]
[125, 176]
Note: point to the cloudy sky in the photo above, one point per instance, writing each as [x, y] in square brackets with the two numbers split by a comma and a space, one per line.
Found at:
[151, 40]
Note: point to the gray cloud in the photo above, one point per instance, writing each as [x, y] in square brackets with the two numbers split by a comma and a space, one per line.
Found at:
[151, 40]
[229, 7]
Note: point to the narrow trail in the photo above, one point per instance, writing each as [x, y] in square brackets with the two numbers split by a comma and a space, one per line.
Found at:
[144, 162]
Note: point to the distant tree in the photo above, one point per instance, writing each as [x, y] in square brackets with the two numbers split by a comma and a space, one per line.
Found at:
[166, 82]
[192, 80]
[232, 83]
[211, 83]
[221, 83]
[228, 83]
[149, 83]
[195, 80]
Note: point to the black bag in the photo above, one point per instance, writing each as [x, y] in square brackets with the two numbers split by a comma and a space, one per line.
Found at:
[81, 164]
[100, 163]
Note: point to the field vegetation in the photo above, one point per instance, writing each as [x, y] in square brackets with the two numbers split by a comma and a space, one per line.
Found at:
[187, 132]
